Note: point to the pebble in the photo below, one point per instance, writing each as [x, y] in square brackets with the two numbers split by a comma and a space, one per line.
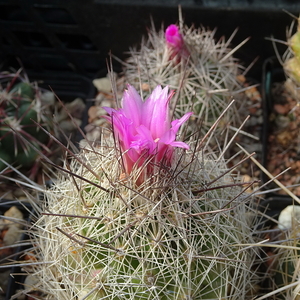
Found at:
[94, 135]
[76, 108]
[31, 280]
[4, 277]
[12, 235]
[282, 109]
[12, 226]
[67, 126]
[103, 84]
[289, 217]
[282, 122]
[92, 113]
[96, 112]
[48, 98]
[13, 213]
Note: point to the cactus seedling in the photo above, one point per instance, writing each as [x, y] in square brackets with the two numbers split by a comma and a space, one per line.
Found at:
[177, 232]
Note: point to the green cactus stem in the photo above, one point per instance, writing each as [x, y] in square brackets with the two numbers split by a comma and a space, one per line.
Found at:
[21, 110]
[179, 235]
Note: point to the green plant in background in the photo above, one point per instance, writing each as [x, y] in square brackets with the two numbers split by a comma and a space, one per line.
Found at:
[29, 115]
[202, 70]
[291, 62]
[22, 107]
[145, 216]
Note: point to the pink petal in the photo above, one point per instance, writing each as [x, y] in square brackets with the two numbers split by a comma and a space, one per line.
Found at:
[132, 105]
[176, 43]
[180, 145]
[122, 126]
[144, 130]
[143, 140]
[168, 137]
[177, 123]
[109, 110]
[156, 112]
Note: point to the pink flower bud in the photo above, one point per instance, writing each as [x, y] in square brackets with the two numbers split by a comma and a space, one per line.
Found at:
[173, 37]
[175, 43]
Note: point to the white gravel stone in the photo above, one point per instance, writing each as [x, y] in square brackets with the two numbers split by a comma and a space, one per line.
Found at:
[12, 235]
[14, 214]
[102, 84]
[289, 217]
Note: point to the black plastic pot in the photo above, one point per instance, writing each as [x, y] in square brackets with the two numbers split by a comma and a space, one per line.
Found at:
[79, 35]
[272, 72]
[57, 40]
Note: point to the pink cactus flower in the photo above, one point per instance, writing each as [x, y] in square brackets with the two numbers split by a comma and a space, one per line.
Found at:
[144, 130]
[176, 43]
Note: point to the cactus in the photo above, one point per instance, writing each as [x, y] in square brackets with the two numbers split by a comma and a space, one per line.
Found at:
[21, 108]
[285, 262]
[286, 269]
[203, 72]
[292, 57]
[291, 62]
[170, 223]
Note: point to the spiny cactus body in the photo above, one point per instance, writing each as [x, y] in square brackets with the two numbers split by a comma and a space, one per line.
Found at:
[291, 62]
[201, 70]
[21, 109]
[172, 238]
[286, 262]
[178, 227]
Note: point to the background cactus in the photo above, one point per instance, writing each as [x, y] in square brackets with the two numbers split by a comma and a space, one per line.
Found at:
[282, 111]
[181, 233]
[29, 114]
[291, 62]
[202, 70]
[22, 106]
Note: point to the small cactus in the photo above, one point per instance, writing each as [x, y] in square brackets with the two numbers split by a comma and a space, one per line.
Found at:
[291, 62]
[199, 68]
[29, 115]
[180, 231]
[21, 108]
